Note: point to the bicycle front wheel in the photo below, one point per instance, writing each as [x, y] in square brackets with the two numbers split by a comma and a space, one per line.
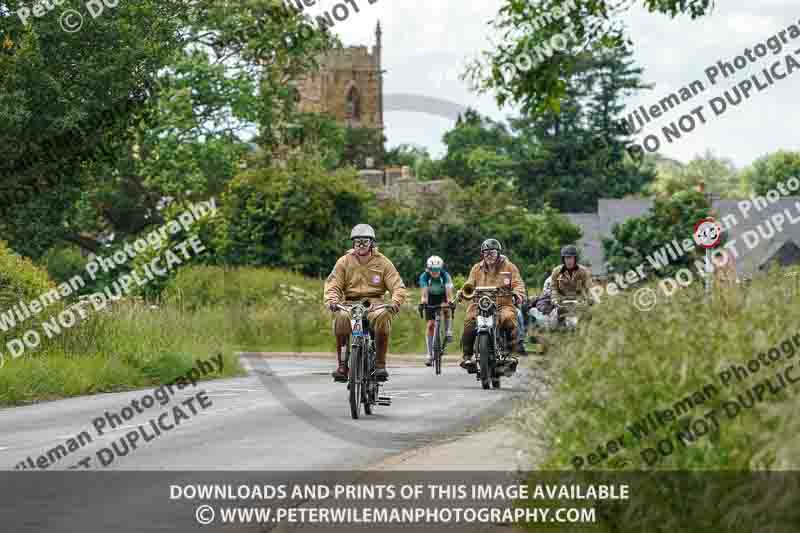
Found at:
[355, 379]
[437, 347]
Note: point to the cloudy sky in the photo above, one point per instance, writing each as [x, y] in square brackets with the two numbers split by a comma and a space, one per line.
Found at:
[426, 44]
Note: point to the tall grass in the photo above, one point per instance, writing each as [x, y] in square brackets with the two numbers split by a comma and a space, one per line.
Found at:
[624, 364]
[129, 347]
[275, 310]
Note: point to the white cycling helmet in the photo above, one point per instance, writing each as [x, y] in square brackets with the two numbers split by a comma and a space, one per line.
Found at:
[435, 261]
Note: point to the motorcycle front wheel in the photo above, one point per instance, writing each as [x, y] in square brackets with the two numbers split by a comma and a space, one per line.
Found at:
[368, 385]
[486, 355]
[356, 371]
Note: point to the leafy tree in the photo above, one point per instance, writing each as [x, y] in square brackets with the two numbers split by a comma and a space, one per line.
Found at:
[719, 176]
[637, 238]
[319, 134]
[298, 217]
[587, 24]
[152, 101]
[766, 172]
[490, 208]
[571, 157]
[361, 143]
[66, 100]
[470, 132]
[416, 157]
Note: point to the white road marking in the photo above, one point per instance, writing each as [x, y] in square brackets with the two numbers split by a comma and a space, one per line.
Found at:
[4, 448]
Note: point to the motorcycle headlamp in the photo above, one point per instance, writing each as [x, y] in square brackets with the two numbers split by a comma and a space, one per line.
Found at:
[485, 303]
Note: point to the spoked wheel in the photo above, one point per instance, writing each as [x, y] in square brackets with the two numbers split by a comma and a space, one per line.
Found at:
[367, 387]
[355, 381]
[437, 349]
[486, 369]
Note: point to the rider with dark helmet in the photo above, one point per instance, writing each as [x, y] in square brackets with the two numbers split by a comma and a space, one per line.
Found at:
[364, 274]
[494, 270]
[570, 280]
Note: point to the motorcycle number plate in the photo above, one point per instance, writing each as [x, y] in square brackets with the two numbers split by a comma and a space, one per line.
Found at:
[485, 321]
[358, 331]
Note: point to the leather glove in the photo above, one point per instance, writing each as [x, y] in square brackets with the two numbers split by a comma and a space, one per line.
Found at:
[421, 309]
[394, 308]
[333, 306]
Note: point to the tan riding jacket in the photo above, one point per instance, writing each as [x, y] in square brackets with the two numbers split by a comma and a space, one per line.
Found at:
[482, 276]
[351, 280]
[568, 285]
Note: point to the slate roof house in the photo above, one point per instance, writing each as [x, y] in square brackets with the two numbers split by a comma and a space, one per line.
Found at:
[783, 247]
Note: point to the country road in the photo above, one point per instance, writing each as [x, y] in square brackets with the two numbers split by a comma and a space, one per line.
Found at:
[287, 416]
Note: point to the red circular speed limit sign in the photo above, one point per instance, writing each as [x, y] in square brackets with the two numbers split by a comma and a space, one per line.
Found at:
[707, 233]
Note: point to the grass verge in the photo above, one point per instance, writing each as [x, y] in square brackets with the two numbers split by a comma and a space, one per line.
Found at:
[625, 365]
[130, 347]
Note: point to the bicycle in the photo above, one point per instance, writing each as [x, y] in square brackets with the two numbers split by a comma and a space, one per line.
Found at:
[439, 345]
[362, 387]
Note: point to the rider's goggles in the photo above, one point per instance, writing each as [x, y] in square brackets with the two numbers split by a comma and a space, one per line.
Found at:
[491, 253]
[361, 243]
[437, 270]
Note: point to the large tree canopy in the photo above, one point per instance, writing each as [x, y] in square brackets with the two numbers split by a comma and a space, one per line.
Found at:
[152, 100]
[528, 26]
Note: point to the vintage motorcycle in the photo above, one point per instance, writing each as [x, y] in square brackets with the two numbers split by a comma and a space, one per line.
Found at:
[569, 318]
[492, 345]
[362, 387]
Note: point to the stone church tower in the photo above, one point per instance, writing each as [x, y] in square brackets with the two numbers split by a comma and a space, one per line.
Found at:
[347, 86]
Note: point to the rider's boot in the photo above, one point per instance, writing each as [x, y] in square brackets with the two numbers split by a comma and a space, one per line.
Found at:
[381, 347]
[467, 340]
[340, 374]
[516, 342]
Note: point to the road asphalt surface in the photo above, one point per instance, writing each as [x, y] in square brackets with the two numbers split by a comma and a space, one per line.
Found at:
[286, 417]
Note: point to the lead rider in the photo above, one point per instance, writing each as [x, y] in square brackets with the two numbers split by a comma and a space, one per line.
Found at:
[364, 274]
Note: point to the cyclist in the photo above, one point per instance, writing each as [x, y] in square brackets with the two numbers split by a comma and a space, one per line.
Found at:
[492, 272]
[437, 289]
[364, 273]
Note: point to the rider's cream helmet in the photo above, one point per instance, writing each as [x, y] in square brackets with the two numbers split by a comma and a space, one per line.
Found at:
[434, 261]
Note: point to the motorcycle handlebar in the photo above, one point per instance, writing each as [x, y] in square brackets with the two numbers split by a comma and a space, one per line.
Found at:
[343, 307]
